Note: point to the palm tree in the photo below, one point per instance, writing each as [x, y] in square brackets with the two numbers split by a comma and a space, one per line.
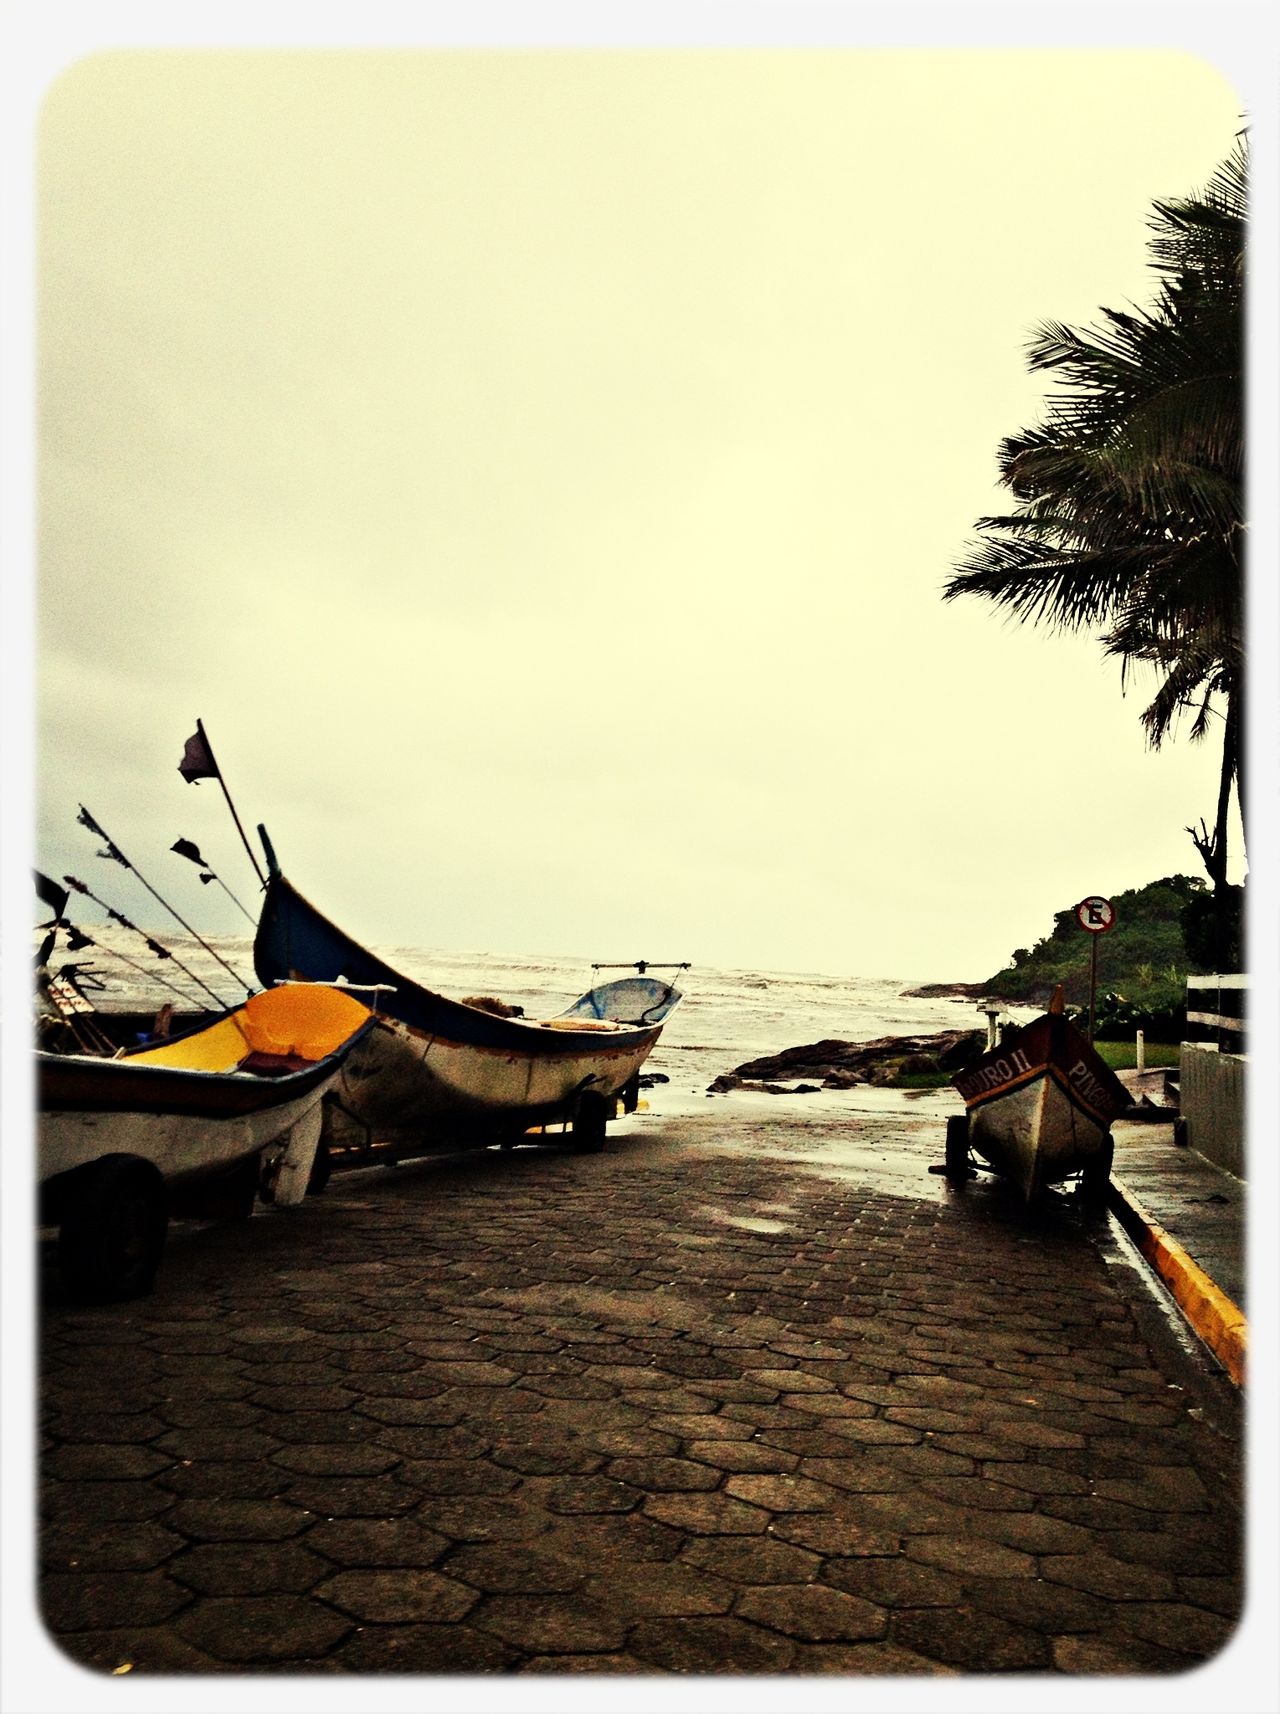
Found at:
[1129, 512]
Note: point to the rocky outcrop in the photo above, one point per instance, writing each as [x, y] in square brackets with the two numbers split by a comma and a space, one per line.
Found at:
[947, 991]
[843, 1064]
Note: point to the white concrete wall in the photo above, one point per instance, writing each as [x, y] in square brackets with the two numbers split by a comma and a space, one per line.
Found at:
[1212, 1101]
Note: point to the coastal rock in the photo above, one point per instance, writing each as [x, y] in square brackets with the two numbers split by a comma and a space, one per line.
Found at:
[946, 991]
[844, 1064]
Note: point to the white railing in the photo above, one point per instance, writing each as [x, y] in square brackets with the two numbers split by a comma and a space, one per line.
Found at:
[1212, 1071]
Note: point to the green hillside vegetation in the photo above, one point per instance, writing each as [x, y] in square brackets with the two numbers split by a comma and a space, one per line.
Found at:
[1143, 962]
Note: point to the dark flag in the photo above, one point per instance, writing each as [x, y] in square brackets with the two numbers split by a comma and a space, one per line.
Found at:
[52, 894]
[197, 759]
[188, 849]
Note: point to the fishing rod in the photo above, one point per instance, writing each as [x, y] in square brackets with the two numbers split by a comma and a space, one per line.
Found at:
[198, 763]
[115, 855]
[187, 848]
[58, 898]
[160, 951]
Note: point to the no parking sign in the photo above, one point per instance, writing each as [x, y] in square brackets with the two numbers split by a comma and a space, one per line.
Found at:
[1095, 915]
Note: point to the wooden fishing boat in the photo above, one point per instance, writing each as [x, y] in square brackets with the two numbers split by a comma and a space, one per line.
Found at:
[1038, 1108]
[199, 1124]
[437, 1073]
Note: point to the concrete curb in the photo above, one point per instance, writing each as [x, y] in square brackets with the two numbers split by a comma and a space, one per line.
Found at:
[1216, 1320]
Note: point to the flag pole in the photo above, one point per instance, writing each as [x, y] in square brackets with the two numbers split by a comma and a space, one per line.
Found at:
[217, 774]
[160, 951]
[114, 852]
[191, 852]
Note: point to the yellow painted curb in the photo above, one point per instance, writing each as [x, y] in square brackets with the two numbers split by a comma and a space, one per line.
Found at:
[1216, 1320]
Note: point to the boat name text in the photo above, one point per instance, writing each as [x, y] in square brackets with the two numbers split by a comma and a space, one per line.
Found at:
[992, 1076]
[1087, 1085]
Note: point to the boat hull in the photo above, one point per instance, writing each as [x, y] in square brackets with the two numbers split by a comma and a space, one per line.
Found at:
[251, 1083]
[401, 1078]
[184, 1147]
[447, 1073]
[1040, 1106]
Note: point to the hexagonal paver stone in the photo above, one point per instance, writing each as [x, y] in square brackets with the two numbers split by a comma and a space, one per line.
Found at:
[833, 1535]
[515, 1568]
[592, 1494]
[237, 1520]
[548, 1455]
[326, 1398]
[813, 1613]
[327, 1459]
[781, 1493]
[399, 1597]
[892, 1582]
[1051, 1608]
[752, 1559]
[1085, 1656]
[707, 1514]
[120, 1427]
[425, 1649]
[548, 1624]
[102, 1463]
[560, 1663]
[695, 1426]
[475, 1476]
[224, 1479]
[664, 1475]
[249, 1568]
[73, 1546]
[974, 1642]
[742, 1456]
[482, 1517]
[965, 1553]
[376, 1541]
[239, 1630]
[425, 1412]
[833, 1407]
[672, 1588]
[709, 1645]
[352, 1496]
[210, 1413]
[414, 1440]
[103, 1502]
[136, 1649]
[1172, 1624]
[1099, 1574]
[89, 1600]
[858, 1660]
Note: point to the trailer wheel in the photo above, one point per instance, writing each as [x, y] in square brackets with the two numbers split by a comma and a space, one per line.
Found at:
[957, 1153]
[631, 1093]
[1095, 1175]
[590, 1121]
[113, 1230]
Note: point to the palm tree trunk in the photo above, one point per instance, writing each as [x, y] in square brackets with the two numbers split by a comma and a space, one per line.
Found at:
[1223, 913]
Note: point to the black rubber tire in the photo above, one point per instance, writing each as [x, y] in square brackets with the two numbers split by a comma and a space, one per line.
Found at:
[631, 1093]
[957, 1152]
[321, 1168]
[590, 1123]
[113, 1230]
[1095, 1175]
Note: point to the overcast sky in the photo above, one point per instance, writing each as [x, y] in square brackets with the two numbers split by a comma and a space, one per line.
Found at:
[540, 471]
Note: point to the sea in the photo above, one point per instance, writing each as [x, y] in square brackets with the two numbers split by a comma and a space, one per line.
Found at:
[725, 1017]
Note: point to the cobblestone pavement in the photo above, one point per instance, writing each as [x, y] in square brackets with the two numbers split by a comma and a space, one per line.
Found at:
[750, 1392]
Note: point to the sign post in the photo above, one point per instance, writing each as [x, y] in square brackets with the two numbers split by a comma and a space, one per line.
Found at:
[1095, 915]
